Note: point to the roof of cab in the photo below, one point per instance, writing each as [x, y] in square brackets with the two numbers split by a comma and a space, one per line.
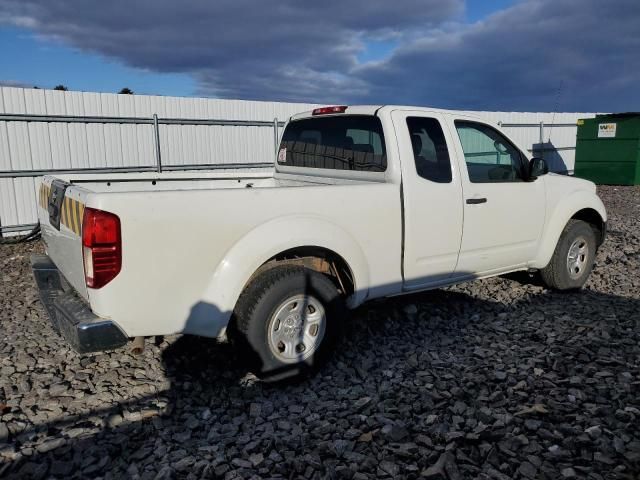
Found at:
[351, 109]
[373, 109]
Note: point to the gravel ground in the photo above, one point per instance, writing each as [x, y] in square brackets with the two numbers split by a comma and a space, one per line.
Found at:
[494, 379]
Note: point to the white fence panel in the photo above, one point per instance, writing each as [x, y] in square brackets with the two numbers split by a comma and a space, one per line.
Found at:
[550, 135]
[53, 145]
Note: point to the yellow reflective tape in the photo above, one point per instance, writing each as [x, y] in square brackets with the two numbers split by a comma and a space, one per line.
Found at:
[63, 215]
[72, 211]
[67, 220]
[77, 216]
[73, 216]
[78, 209]
[69, 215]
[81, 218]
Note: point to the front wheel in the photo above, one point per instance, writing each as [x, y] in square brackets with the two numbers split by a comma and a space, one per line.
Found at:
[286, 321]
[573, 257]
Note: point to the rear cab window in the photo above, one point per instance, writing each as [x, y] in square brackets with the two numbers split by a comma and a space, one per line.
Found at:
[346, 142]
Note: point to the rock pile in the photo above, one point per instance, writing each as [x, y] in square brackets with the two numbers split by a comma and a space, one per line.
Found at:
[496, 379]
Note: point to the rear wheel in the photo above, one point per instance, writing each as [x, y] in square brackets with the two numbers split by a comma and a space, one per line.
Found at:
[573, 257]
[286, 321]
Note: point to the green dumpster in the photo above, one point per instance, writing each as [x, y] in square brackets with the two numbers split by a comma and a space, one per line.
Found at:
[608, 149]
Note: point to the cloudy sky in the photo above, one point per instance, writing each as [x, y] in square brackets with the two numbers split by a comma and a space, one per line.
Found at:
[520, 55]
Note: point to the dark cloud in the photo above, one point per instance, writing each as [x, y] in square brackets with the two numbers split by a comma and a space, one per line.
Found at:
[239, 48]
[307, 51]
[540, 55]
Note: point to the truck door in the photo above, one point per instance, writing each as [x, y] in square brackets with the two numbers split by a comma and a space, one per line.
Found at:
[503, 212]
[432, 198]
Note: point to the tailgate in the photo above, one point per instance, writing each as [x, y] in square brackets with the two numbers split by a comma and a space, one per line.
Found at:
[60, 211]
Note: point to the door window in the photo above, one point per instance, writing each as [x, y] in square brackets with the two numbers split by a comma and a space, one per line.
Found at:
[429, 149]
[489, 156]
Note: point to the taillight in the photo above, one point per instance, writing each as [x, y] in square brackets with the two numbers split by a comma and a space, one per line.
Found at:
[101, 247]
[328, 110]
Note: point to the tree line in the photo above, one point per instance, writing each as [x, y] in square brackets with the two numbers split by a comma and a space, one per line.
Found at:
[123, 91]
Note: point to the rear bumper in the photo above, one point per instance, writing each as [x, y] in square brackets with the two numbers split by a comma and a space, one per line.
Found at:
[70, 316]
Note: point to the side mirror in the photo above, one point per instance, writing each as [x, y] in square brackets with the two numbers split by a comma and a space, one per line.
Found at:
[537, 168]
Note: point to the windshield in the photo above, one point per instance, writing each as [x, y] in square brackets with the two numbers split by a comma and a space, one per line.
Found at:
[349, 142]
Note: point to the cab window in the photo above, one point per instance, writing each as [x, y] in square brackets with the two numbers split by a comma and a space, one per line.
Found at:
[430, 151]
[349, 142]
[489, 156]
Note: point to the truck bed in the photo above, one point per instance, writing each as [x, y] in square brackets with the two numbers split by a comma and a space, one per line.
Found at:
[181, 232]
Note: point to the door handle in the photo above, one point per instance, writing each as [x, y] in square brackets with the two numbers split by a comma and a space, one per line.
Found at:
[475, 201]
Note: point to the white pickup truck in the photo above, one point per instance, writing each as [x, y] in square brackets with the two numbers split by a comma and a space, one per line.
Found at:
[365, 202]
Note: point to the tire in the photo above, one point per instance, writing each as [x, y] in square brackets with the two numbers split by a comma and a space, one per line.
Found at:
[276, 339]
[573, 257]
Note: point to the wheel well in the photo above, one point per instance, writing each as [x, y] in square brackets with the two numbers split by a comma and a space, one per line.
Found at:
[593, 218]
[319, 259]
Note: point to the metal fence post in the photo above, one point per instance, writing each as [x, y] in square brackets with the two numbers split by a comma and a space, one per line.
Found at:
[275, 135]
[157, 140]
[541, 139]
